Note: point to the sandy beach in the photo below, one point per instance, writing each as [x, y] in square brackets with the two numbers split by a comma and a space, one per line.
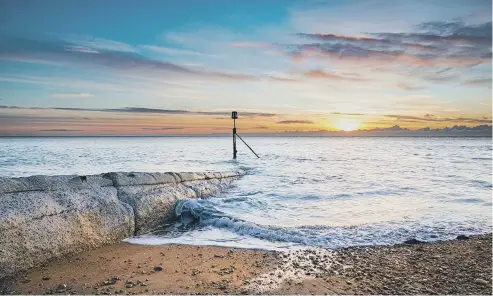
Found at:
[461, 266]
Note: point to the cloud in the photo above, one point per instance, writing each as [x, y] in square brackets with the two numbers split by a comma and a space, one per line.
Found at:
[351, 114]
[174, 51]
[479, 82]
[366, 41]
[295, 122]
[60, 130]
[281, 79]
[425, 118]
[94, 44]
[161, 128]
[80, 49]
[147, 110]
[456, 32]
[432, 118]
[405, 86]
[330, 76]
[434, 44]
[72, 95]
[113, 57]
[261, 127]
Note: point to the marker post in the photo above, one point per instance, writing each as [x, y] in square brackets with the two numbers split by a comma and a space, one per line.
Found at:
[234, 116]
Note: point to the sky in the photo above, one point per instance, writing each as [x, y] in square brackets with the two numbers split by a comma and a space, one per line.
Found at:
[180, 67]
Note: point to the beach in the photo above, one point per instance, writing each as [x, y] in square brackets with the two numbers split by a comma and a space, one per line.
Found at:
[460, 266]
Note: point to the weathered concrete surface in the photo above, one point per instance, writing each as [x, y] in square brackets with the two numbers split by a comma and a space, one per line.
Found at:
[43, 217]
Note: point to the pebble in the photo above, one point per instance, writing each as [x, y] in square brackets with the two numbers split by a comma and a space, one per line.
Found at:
[480, 281]
[158, 268]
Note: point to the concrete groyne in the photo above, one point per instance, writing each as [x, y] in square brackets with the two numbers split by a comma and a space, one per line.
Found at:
[44, 217]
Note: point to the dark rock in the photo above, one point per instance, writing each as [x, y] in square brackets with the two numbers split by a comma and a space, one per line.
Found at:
[413, 241]
[45, 278]
[61, 288]
[462, 237]
[158, 268]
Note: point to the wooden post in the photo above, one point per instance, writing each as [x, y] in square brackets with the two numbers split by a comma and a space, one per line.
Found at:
[234, 115]
[234, 141]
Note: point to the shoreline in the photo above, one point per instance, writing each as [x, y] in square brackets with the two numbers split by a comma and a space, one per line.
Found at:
[459, 266]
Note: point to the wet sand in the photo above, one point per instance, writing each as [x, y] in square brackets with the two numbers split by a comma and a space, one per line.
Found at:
[451, 267]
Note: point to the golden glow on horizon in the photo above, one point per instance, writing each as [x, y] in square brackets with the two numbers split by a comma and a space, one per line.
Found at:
[74, 122]
[347, 124]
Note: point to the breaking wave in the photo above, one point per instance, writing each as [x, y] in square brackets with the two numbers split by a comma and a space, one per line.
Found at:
[201, 216]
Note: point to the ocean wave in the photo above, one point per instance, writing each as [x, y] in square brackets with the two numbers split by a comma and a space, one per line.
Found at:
[202, 215]
[480, 183]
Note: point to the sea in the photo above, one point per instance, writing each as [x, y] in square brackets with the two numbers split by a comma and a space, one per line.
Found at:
[326, 192]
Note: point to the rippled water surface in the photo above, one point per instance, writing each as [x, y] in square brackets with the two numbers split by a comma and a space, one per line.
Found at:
[326, 192]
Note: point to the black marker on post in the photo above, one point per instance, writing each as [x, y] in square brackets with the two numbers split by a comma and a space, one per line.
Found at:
[234, 116]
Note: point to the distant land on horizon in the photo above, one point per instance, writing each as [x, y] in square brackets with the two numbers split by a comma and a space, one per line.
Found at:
[394, 131]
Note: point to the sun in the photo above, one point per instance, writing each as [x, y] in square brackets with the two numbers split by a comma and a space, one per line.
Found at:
[347, 125]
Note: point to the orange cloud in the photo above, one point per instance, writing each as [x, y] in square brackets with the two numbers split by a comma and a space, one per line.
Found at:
[327, 75]
[406, 86]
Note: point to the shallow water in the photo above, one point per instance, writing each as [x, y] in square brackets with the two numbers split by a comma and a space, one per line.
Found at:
[325, 192]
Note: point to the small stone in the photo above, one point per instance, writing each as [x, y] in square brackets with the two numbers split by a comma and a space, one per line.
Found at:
[158, 268]
[462, 237]
[481, 281]
[129, 285]
[45, 278]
